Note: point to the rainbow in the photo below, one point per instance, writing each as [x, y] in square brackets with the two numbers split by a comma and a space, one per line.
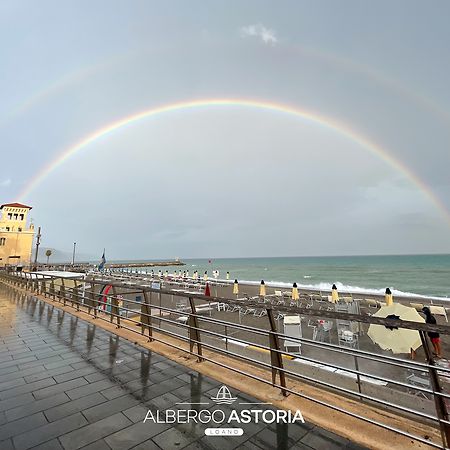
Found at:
[324, 121]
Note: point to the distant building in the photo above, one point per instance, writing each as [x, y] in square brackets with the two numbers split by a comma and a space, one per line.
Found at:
[16, 238]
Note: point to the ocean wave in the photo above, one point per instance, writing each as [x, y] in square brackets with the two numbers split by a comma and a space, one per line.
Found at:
[326, 287]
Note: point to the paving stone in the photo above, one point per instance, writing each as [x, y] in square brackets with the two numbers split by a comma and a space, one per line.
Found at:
[136, 413]
[49, 445]
[6, 445]
[17, 427]
[108, 408]
[36, 406]
[16, 401]
[135, 434]
[172, 438]
[11, 383]
[67, 386]
[93, 432]
[89, 388]
[49, 431]
[97, 445]
[320, 439]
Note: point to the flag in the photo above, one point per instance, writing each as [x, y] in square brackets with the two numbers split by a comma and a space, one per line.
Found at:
[103, 261]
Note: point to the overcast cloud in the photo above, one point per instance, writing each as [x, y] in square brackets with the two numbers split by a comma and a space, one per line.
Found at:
[229, 181]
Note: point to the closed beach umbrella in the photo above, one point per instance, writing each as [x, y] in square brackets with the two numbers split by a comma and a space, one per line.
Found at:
[187, 273]
[334, 294]
[205, 276]
[398, 340]
[388, 297]
[262, 289]
[207, 290]
[195, 275]
[236, 287]
[167, 273]
[228, 275]
[295, 295]
[159, 273]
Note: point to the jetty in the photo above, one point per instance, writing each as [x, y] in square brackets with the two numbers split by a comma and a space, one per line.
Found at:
[85, 267]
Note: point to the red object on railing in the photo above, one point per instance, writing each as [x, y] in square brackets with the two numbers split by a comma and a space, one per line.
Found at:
[207, 290]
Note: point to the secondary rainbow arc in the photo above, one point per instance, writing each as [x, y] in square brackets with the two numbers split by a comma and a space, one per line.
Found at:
[322, 120]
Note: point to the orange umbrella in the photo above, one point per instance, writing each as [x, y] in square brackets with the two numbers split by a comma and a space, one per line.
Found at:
[295, 295]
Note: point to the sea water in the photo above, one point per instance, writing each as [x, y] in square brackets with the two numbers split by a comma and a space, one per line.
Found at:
[427, 275]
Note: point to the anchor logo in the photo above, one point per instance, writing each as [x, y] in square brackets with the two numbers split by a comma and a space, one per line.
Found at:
[224, 396]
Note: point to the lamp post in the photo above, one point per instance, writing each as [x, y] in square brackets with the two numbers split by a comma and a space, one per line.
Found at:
[73, 254]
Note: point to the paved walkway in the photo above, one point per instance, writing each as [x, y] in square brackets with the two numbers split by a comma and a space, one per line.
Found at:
[66, 384]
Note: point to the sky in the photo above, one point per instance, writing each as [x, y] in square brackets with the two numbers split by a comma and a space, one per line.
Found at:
[229, 180]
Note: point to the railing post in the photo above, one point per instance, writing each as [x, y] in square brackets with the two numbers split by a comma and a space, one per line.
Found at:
[115, 307]
[146, 311]
[76, 295]
[276, 360]
[194, 332]
[62, 292]
[52, 289]
[439, 402]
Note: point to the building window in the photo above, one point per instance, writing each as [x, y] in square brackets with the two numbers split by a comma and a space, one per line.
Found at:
[2, 241]
[16, 216]
[7, 228]
[19, 229]
[9, 216]
[21, 217]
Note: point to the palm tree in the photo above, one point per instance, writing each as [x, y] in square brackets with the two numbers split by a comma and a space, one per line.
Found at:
[48, 253]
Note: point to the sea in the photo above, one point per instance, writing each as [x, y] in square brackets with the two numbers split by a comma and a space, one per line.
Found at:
[422, 275]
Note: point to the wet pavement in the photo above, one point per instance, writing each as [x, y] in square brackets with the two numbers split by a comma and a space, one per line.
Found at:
[67, 384]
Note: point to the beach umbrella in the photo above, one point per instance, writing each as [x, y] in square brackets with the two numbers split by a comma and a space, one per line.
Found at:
[334, 294]
[262, 289]
[205, 276]
[295, 295]
[228, 275]
[207, 290]
[236, 287]
[388, 297]
[187, 273]
[159, 273]
[398, 340]
[167, 273]
[195, 275]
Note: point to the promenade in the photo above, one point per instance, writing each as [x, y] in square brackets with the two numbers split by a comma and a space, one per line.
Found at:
[67, 384]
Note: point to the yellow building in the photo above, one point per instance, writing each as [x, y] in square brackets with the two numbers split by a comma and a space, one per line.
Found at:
[16, 239]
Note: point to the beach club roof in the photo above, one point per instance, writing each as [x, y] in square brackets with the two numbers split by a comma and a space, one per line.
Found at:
[15, 205]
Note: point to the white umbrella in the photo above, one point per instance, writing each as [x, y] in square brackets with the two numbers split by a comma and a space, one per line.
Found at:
[398, 340]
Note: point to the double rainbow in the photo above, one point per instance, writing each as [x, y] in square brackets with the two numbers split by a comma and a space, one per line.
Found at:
[322, 120]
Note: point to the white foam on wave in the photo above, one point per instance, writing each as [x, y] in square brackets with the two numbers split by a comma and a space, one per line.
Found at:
[326, 287]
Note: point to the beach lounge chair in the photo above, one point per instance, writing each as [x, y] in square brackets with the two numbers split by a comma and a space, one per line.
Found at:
[438, 310]
[417, 306]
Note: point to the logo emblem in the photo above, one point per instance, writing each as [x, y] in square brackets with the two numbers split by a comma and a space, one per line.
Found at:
[224, 396]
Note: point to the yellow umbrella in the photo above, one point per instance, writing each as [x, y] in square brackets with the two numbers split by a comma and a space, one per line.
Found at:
[205, 277]
[398, 340]
[388, 297]
[334, 294]
[295, 295]
[236, 287]
[262, 289]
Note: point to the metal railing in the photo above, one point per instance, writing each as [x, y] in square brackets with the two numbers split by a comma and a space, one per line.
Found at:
[107, 298]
